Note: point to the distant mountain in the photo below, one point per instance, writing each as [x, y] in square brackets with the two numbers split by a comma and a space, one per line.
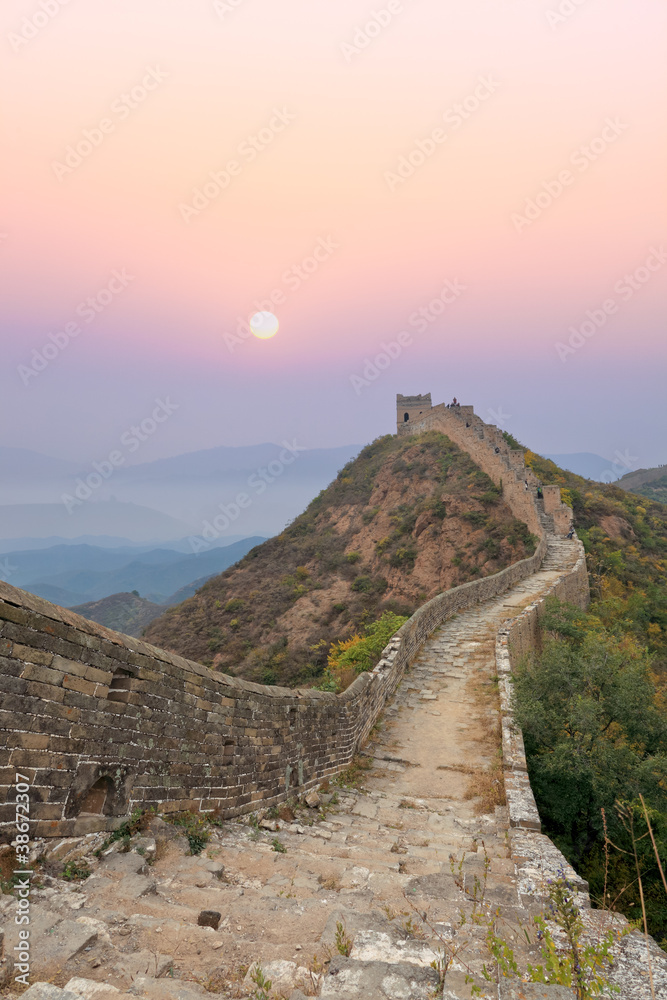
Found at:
[71, 575]
[101, 517]
[122, 612]
[167, 499]
[107, 542]
[62, 563]
[588, 465]
[57, 595]
[215, 463]
[649, 483]
[22, 465]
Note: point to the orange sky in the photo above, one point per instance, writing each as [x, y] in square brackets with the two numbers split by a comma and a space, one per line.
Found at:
[509, 147]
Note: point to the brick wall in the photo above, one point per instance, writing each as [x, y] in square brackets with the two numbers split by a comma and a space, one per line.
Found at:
[487, 447]
[81, 705]
[517, 638]
[102, 722]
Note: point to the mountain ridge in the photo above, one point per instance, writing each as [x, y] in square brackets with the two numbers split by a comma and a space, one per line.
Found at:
[405, 519]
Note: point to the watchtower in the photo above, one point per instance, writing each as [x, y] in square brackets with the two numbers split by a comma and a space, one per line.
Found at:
[408, 408]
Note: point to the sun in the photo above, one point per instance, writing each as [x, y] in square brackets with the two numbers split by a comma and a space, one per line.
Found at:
[264, 325]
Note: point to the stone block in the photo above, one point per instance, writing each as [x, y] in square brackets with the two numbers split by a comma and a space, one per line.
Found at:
[45, 991]
[55, 941]
[126, 863]
[347, 980]
[166, 989]
[47, 692]
[31, 655]
[144, 963]
[88, 989]
[74, 683]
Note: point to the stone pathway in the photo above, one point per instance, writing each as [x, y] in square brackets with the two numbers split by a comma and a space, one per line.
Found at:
[374, 863]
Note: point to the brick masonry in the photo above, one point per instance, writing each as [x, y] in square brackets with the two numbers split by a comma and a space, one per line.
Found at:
[83, 706]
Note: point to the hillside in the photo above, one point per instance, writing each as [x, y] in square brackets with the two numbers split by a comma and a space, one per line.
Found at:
[405, 520]
[649, 483]
[127, 613]
[625, 537]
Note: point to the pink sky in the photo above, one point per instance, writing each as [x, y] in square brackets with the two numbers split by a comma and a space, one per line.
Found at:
[336, 123]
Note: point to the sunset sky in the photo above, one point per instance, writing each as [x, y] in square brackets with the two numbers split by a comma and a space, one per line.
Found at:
[369, 156]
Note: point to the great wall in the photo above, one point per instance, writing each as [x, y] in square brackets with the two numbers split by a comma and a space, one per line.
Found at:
[101, 723]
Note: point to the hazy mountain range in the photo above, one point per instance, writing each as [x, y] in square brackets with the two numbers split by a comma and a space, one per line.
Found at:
[71, 575]
[165, 500]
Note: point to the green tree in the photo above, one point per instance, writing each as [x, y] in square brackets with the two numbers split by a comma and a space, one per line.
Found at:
[595, 737]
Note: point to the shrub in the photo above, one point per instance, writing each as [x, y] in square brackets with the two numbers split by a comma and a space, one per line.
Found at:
[476, 518]
[595, 736]
[403, 556]
[196, 829]
[362, 652]
[76, 871]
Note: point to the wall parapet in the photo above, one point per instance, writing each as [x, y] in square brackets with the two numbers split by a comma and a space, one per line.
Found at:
[538, 859]
[83, 706]
[487, 447]
[102, 722]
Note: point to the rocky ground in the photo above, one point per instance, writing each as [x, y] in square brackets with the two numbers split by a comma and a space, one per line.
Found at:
[367, 890]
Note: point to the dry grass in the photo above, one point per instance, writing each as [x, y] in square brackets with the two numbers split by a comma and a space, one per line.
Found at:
[488, 787]
[345, 677]
[353, 776]
[331, 882]
[161, 848]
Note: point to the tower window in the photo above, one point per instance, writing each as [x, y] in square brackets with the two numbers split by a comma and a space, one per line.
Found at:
[406, 417]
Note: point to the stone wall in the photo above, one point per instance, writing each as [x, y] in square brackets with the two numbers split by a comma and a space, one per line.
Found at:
[487, 447]
[518, 637]
[102, 722]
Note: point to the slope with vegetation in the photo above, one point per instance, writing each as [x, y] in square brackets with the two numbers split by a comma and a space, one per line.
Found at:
[593, 703]
[405, 520]
[127, 613]
[649, 483]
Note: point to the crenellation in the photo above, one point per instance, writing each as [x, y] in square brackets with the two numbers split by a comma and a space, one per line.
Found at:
[88, 703]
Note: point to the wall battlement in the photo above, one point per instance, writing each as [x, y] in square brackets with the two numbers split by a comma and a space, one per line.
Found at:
[102, 723]
[488, 448]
